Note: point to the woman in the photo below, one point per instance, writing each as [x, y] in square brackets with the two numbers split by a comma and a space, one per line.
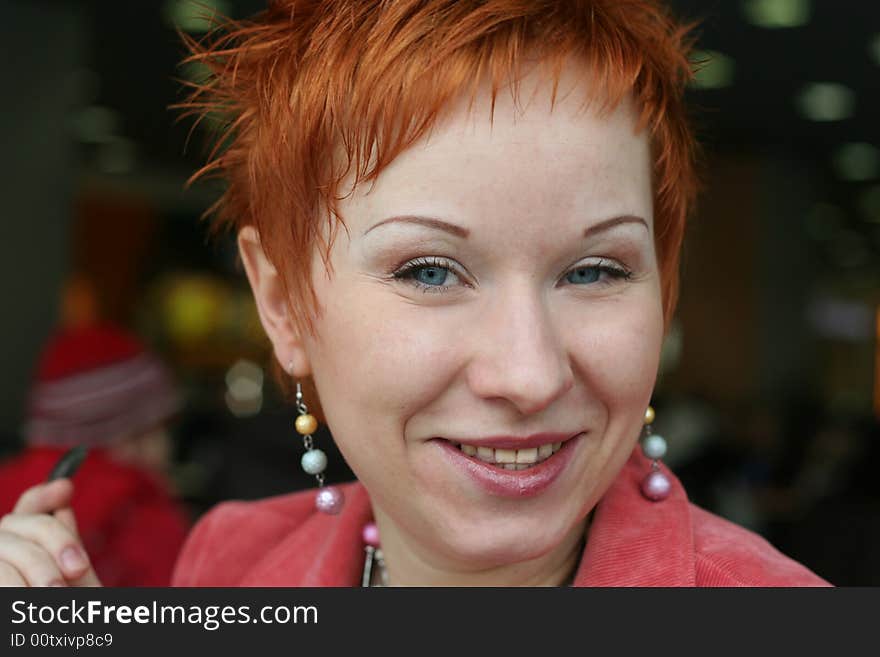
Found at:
[461, 221]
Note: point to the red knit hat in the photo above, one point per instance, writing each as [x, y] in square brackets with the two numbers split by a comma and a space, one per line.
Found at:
[95, 385]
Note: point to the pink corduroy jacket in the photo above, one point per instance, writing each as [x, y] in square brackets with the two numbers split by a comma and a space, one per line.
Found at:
[284, 541]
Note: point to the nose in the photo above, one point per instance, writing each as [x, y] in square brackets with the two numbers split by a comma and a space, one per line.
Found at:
[519, 355]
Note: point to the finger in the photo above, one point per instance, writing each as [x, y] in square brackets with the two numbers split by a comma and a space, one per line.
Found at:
[49, 534]
[67, 518]
[9, 575]
[90, 578]
[35, 565]
[45, 498]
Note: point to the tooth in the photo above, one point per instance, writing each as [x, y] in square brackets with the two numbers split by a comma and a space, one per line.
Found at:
[544, 451]
[505, 456]
[556, 446]
[485, 453]
[509, 466]
[522, 466]
[529, 455]
[470, 450]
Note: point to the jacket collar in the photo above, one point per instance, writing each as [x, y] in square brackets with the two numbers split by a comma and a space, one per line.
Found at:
[633, 541]
[324, 550]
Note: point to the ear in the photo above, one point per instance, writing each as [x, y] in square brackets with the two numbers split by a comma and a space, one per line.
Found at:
[272, 305]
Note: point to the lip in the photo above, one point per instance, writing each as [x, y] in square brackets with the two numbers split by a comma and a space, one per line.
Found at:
[512, 442]
[512, 483]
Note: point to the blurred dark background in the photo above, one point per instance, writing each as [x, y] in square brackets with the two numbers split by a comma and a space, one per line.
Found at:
[769, 393]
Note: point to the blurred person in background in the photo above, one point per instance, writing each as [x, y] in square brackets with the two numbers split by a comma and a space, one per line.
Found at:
[99, 387]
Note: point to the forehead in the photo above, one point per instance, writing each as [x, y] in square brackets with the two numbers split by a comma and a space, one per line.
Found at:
[562, 157]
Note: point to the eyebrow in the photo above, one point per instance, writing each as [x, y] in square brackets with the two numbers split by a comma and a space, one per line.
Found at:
[608, 224]
[459, 231]
[430, 222]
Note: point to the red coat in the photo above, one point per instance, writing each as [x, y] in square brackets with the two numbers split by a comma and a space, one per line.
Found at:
[284, 541]
[131, 527]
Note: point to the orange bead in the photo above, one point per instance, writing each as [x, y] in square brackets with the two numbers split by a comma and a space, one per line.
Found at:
[649, 415]
[306, 424]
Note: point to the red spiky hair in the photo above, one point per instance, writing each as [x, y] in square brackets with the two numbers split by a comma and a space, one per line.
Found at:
[315, 90]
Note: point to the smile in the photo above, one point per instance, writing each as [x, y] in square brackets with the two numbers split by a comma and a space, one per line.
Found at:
[512, 459]
[500, 469]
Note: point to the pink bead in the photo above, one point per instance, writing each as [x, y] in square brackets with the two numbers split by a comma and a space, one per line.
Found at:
[371, 534]
[656, 486]
[329, 500]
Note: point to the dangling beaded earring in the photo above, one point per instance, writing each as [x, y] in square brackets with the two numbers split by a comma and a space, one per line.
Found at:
[656, 485]
[329, 499]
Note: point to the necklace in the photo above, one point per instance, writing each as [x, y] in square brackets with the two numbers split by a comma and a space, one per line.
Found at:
[374, 560]
[375, 574]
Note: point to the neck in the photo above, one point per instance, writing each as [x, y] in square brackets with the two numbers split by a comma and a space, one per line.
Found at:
[409, 565]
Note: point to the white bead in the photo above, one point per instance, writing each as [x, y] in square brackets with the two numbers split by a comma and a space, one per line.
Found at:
[654, 446]
[314, 461]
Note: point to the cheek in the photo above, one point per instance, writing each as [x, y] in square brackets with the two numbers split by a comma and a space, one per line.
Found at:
[378, 357]
[617, 351]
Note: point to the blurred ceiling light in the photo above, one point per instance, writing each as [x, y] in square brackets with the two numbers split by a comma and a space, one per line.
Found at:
[194, 16]
[841, 319]
[714, 70]
[243, 408]
[869, 203]
[875, 49]
[117, 156]
[773, 14]
[96, 124]
[191, 308]
[826, 101]
[244, 383]
[245, 379]
[857, 161]
[823, 221]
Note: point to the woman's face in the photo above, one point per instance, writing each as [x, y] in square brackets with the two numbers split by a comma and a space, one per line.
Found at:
[498, 282]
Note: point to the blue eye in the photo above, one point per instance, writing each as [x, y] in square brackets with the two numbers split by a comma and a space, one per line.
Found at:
[429, 274]
[583, 275]
[599, 273]
[440, 275]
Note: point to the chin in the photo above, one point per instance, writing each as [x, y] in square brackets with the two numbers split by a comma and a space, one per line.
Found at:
[484, 543]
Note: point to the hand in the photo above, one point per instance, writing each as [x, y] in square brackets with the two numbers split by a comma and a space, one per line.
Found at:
[39, 541]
